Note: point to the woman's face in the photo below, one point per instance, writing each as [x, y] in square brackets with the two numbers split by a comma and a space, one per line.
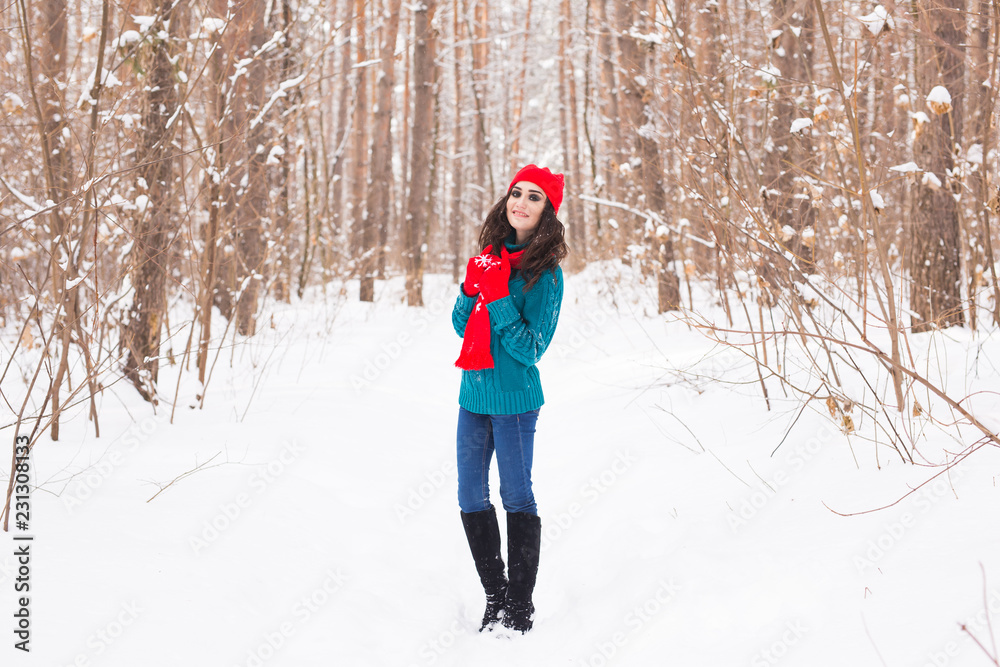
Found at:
[524, 209]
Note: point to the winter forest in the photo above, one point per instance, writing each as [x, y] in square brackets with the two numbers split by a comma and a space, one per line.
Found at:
[779, 212]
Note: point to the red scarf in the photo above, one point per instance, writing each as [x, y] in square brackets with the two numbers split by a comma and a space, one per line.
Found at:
[475, 354]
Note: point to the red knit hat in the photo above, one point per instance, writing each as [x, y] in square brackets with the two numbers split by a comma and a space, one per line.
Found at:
[551, 184]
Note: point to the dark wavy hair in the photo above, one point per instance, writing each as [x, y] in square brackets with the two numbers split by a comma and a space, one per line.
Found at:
[545, 249]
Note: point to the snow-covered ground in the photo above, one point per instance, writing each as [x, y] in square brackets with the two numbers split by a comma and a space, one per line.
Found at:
[322, 526]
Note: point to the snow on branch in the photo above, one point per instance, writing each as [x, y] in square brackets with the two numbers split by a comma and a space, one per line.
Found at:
[939, 100]
[278, 94]
[35, 209]
[800, 124]
[878, 21]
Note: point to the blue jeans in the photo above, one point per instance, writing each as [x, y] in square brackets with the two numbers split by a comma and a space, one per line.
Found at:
[512, 437]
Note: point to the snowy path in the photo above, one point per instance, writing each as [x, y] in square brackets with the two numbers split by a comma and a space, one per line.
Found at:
[330, 533]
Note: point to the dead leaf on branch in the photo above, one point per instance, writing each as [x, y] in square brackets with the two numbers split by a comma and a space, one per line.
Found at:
[994, 202]
[831, 405]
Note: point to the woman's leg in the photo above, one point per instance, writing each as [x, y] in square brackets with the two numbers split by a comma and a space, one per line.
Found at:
[514, 439]
[475, 450]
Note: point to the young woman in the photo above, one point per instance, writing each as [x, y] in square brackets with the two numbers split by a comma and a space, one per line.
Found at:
[506, 314]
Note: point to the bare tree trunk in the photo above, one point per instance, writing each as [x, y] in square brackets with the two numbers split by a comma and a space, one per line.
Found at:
[345, 90]
[253, 214]
[981, 101]
[379, 207]
[518, 103]
[612, 143]
[647, 188]
[309, 178]
[281, 267]
[155, 224]
[615, 151]
[571, 140]
[935, 264]
[52, 128]
[424, 49]
[789, 157]
[480, 58]
[216, 206]
[456, 221]
[404, 146]
[363, 251]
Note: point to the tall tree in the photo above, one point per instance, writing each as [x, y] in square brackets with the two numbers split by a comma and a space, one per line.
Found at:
[789, 160]
[480, 77]
[379, 208]
[155, 223]
[982, 262]
[253, 220]
[935, 261]
[611, 143]
[345, 94]
[364, 253]
[456, 220]
[283, 22]
[53, 128]
[570, 129]
[647, 191]
[517, 104]
[218, 197]
[421, 150]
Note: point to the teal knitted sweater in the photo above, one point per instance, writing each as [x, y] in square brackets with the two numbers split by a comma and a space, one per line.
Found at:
[522, 326]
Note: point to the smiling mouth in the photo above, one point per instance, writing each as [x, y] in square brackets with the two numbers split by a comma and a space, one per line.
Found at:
[520, 215]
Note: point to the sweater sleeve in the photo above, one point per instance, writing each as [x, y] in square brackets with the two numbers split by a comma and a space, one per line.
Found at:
[526, 335]
[463, 308]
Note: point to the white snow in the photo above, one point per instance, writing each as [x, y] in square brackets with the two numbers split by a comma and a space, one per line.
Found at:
[905, 168]
[126, 38]
[12, 103]
[878, 20]
[877, 200]
[769, 75]
[800, 124]
[275, 155]
[931, 180]
[313, 520]
[211, 25]
[144, 22]
[975, 154]
[939, 100]
[939, 94]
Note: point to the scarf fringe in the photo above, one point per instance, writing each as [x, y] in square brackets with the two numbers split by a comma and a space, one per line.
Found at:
[475, 360]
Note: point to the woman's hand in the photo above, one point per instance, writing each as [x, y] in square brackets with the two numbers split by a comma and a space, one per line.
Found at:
[474, 272]
[495, 278]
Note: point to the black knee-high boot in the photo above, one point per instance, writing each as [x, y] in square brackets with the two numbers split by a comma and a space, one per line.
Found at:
[524, 539]
[483, 533]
